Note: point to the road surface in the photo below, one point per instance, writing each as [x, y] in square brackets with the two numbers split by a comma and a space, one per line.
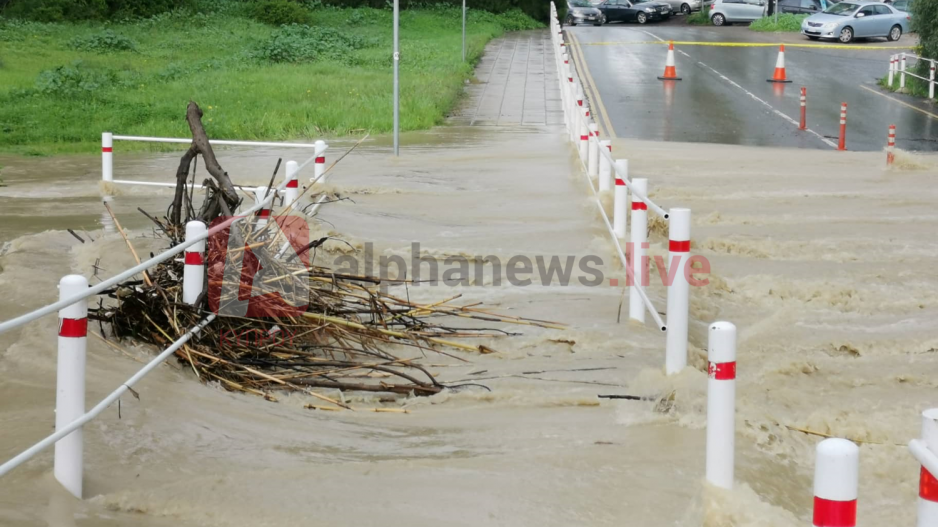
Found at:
[724, 96]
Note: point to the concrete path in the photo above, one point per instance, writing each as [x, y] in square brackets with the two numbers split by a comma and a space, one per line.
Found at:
[517, 84]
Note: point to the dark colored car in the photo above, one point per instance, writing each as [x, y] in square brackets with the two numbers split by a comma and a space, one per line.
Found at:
[582, 12]
[640, 11]
[801, 7]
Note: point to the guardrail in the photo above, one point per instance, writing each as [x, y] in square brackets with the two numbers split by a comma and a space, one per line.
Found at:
[73, 323]
[598, 162]
[837, 460]
[898, 67]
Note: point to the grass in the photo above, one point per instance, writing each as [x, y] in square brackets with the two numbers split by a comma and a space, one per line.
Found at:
[787, 23]
[913, 86]
[61, 85]
[700, 18]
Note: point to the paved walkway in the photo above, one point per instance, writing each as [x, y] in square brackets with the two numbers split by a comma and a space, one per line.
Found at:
[517, 84]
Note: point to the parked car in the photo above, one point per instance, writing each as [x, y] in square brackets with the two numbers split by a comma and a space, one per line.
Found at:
[684, 6]
[848, 20]
[901, 5]
[803, 7]
[582, 12]
[640, 11]
[728, 11]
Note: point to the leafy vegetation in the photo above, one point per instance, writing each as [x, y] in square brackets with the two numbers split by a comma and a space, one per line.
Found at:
[280, 12]
[787, 23]
[700, 18]
[254, 81]
[104, 42]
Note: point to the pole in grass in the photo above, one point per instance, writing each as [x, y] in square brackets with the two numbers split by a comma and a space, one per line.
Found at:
[193, 277]
[292, 190]
[836, 475]
[639, 238]
[678, 291]
[721, 404]
[70, 383]
[464, 30]
[931, 80]
[892, 69]
[397, 90]
[902, 72]
[842, 143]
[319, 165]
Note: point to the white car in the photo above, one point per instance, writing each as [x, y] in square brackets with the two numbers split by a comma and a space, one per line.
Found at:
[724, 12]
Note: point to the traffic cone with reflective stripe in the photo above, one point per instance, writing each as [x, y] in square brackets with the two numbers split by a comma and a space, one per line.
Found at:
[779, 75]
[670, 71]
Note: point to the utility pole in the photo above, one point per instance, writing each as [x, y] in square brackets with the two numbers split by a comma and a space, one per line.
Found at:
[464, 30]
[397, 87]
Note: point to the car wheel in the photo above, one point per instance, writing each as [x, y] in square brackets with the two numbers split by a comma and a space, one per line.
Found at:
[641, 18]
[685, 9]
[846, 35]
[894, 33]
[718, 19]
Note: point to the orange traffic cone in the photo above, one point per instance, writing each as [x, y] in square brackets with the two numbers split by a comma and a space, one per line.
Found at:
[779, 75]
[670, 72]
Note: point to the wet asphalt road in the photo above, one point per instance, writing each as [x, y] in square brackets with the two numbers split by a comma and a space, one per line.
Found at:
[724, 96]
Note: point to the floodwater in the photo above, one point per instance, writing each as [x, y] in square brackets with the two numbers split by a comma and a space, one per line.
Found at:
[824, 260]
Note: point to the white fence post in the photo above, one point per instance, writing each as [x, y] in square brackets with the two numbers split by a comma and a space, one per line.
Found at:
[193, 278]
[902, 72]
[620, 199]
[263, 215]
[320, 164]
[292, 190]
[836, 476]
[107, 156]
[592, 164]
[605, 168]
[721, 404]
[928, 484]
[892, 69]
[70, 383]
[584, 134]
[678, 290]
[931, 80]
[637, 245]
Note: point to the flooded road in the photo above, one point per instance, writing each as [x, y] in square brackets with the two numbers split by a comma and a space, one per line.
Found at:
[823, 260]
[724, 97]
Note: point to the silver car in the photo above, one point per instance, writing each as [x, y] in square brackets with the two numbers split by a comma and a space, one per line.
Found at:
[727, 11]
[848, 20]
[684, 6]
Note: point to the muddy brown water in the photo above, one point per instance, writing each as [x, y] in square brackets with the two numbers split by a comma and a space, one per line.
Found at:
[824, 260]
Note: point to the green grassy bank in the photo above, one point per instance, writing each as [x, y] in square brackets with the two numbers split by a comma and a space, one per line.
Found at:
[787, 23]
[61, 85]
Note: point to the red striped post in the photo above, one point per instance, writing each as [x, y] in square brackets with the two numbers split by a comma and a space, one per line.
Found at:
[721, 404]
[842, 144]
[292, 191]
[678, 291]
[620, 198]
[928, 484]
[804, 109]
[107, 156]
[263, 214]
[836, 476]
[320, 166]
[193, 274]
[70, 383]
[637, 246]
[891, 145]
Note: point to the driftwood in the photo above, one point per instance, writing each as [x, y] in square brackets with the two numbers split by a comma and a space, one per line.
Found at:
[224, 191]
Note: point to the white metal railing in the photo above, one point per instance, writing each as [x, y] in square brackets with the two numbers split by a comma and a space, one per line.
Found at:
[898, 67]
[598, 161]
[107, 155]
[107, 401]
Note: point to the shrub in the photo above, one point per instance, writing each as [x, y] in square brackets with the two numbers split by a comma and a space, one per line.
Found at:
[298, 43]
[72, 10]
[702, 17]
[787, 22]
[103, 42]
[75, 79]
[280, 12]
[925, 23]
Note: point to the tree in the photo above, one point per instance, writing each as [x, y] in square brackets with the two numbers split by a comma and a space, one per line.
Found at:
[925, 23]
